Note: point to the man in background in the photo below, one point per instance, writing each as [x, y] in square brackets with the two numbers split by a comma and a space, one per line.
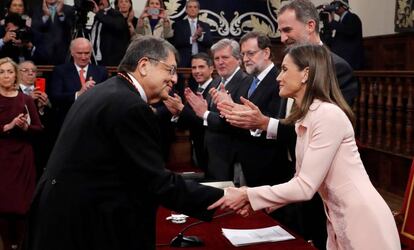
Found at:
[346, 40]
[73, 79]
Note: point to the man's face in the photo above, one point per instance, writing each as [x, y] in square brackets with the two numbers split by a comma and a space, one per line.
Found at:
[27, 73]
[81, 53]
[292, 31]
[11, 27]
[255, 60]
[17, 6]
[103, 4]
[160, 78]
[200, 70]
[225, 62]
[192, 9]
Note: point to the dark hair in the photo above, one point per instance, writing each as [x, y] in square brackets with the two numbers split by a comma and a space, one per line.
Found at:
[203, 56]
[162, 5]
[145, 46]
[15, 19]
[263, 41]
[117, 8]
[305, 10]
[322, 83]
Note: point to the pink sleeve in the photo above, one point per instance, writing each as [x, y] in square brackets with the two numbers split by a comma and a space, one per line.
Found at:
[326, 131]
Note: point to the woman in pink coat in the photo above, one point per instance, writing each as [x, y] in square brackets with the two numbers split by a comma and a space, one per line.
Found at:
[327, 159]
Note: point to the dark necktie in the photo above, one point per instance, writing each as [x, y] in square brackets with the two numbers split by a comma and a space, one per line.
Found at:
[253, 86]
[200, 90]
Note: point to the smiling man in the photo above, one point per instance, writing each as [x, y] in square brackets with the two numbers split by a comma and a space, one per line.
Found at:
[106, 176]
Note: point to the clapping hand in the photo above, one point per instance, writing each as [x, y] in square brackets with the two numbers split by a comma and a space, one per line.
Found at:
[235, 199]
[220, 94]
[247, 116]
[174, 104]
[196, 101]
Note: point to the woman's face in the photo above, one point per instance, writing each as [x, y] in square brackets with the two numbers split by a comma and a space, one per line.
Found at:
[17, 6]
[154, 4]
[292, 80]
[124, 6]
[7, 75]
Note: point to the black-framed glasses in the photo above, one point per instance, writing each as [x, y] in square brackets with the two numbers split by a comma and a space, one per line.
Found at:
[28, 70]
[171, 68]
[249, 53]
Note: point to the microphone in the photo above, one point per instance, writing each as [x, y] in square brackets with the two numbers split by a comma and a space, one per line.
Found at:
[191, 241]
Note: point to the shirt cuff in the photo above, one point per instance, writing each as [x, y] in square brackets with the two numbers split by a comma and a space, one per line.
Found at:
[1, 43]
[256, 132]
[205, 116]
[272, 129]
[45, 18]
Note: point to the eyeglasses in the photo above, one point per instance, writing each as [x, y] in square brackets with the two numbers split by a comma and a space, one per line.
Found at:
[28, 70]
[171, 68]
[249, 54]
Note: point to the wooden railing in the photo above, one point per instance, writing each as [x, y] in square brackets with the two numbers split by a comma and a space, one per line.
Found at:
[385, 111]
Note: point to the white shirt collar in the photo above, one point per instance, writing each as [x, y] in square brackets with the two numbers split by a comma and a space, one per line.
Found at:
[264, 72]
[206, 83]
[84, 68]
[139, 88]
[24, 87]
[231, 76]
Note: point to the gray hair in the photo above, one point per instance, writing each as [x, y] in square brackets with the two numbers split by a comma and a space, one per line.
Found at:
[224, 43]
[145, 46]
[194, 1]
[305, 10]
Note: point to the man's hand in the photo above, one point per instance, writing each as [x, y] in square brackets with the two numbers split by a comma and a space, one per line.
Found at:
[40, 97]
[235, 199]
[248, 117]
[197, 102]
[220, 95]
[9, 36]
[59, 7]
[174, 104]
[45, 8]
[88, 85]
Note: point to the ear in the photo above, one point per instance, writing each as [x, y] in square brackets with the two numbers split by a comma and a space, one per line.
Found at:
[311, 26]
[305, 75]
[142, 66]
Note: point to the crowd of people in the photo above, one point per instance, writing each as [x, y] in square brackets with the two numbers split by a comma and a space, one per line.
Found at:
[284, 135]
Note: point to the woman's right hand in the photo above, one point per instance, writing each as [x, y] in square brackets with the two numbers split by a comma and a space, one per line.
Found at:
[19, 121]
[144, 13]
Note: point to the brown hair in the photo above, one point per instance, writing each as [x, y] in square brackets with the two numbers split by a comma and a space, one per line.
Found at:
[16, 68]
[322, 83]
[162, 5]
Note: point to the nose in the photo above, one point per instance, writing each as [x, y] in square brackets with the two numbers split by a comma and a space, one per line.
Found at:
[174, 78]
[283, 37]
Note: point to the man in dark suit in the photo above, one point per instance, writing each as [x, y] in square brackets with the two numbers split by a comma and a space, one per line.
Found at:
[191, 35]
[347, 35]
[264, 162]
[71, 80]
[218, 138]
[53, 22]
[202, 69]
[110, 34]
[106, 176]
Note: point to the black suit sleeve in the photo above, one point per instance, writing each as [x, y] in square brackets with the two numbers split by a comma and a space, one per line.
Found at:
[347, 82]
[136, 133]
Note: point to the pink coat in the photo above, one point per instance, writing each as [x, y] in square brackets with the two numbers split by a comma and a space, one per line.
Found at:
[328, 162]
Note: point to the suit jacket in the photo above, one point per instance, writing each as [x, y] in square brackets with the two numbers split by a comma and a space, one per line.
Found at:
[347, 82]
[189, 119]
[347, 42]
[106, 177]
[265, 161]
[181, 40]
[114, 36]
[54, 36]
[219, 135]
[65, 82]
[328, 162]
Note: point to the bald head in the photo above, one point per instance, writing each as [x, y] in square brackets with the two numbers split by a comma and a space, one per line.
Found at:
[81, 50]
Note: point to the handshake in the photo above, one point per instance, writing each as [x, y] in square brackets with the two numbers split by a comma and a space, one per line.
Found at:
[235, 199]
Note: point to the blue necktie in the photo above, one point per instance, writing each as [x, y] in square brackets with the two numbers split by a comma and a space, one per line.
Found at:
[253, 86]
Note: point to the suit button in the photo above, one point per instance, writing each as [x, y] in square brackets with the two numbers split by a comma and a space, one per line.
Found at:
[53, 181]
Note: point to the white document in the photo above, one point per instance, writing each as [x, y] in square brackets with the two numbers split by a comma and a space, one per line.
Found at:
[219, 184]
[243, 237]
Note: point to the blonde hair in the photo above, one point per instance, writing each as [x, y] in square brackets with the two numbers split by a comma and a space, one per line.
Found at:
[322, 83]
[16, 69]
